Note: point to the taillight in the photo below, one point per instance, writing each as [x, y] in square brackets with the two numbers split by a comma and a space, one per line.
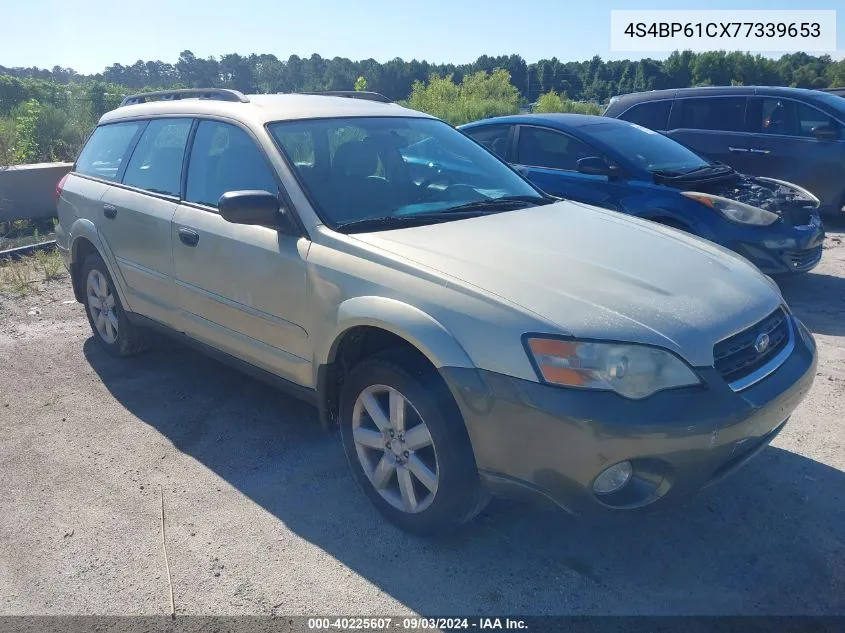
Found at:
[59, 186]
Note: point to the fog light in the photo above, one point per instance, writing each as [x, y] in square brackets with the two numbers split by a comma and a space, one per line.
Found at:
[613, 478]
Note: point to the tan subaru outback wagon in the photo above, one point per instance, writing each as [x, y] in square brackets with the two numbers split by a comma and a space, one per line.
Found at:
[469, 334]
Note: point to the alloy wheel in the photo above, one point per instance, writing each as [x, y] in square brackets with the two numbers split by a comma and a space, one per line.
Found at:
[101, 305]
[395, 448]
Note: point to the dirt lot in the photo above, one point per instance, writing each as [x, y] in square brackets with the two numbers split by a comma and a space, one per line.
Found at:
[263, 518]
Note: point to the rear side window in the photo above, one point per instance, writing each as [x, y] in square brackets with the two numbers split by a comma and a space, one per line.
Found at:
[156, 163]
[651, 114]
[225, 158]
[493, 137]
[547, 148]
[714, 113]
[105, 150]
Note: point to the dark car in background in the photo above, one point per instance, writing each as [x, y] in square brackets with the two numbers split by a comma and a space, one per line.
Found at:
[632, 169]
[786, 133]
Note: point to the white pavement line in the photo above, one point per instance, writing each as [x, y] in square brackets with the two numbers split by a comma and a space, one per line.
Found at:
[164, 548]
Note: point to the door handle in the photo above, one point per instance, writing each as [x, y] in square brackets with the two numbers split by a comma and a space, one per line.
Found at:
[760, 151]
[189, 237]
[737, 150]
[110, 211]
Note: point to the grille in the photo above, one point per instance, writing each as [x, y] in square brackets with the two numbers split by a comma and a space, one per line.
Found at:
[735, 357]
[799, 259]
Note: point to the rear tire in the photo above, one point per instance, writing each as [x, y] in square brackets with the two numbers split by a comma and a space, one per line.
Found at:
[109, 323]
[407, 445]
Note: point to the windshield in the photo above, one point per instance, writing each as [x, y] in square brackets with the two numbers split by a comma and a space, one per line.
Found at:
[357, 169]
[833, 101]
[645, 148]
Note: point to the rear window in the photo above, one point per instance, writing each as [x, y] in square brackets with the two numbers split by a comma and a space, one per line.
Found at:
[652, 114]
[106, 149]
[156, 163]
[714, 113]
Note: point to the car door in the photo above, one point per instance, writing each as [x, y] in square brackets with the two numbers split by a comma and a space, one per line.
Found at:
[549, 158]
[136, 217]
[713, 126]
[784, 146]
[241, 288]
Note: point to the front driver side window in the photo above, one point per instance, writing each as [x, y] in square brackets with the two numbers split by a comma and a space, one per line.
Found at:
[493, 137]
[225, 158]
[550, 149]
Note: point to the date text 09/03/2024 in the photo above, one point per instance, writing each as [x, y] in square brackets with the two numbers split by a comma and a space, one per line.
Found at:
[414, 623]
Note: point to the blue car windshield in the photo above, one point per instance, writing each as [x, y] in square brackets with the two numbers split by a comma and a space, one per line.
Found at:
[377, 168]
[645, 148]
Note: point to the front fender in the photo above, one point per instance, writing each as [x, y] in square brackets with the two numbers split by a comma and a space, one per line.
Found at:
[420, 329]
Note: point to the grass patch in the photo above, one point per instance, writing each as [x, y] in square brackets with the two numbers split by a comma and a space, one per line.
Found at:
[22, 277]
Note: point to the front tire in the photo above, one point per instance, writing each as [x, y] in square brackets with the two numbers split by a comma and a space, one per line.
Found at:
[105, 313]
[407, 444]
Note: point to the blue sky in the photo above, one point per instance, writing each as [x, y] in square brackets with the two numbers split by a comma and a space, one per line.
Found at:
[90, 34]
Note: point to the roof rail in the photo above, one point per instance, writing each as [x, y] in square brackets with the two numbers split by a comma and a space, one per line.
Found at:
[352, 94]
[216, 94]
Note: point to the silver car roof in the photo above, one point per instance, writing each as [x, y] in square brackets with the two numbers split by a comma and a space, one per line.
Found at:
[261, 109]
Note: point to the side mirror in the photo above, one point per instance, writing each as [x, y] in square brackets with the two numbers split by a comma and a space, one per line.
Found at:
[825, 132]
[251, 207]
[594, 166]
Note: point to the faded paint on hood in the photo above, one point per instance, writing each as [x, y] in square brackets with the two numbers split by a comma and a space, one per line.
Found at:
[597, 274]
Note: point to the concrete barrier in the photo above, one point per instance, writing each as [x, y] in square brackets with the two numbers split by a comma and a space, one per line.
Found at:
[28, 192]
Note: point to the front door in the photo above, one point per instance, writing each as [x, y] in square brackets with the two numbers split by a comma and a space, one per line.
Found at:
[549, 158]
[785, 147]
[240, 288]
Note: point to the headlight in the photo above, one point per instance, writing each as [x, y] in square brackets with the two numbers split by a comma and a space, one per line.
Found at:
[633, 371]
[791, 185]
[733, 210]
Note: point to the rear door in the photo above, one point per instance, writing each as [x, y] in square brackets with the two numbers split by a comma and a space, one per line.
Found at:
[784, 147]
[241, 288]
[99, 165]
[549, 158]
[713, 126]
[135, 217]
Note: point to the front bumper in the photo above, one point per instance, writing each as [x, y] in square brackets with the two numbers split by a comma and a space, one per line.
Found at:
[536, 440]
[789, 251]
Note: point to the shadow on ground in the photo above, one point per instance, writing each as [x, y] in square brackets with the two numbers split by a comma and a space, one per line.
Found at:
[818, 299]
[768, 540]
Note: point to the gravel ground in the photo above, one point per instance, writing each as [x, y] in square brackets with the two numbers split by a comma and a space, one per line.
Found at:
[263, 518]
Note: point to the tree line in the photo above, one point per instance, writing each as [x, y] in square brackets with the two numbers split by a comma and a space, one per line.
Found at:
[46, 114]
[592, 80]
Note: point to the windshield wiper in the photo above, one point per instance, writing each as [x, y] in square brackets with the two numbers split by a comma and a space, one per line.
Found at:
[398, 221]
[715, 169]
[468, 210]
[499, 204]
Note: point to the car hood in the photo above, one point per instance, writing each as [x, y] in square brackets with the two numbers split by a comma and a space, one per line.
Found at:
[596, 274]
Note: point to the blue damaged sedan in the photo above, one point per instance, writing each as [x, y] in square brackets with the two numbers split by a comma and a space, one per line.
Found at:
[628, 168]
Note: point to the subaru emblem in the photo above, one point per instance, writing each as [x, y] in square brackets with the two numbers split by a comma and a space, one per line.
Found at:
[761, 343]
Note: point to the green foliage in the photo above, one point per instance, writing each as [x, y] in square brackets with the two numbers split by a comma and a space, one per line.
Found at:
[553, 102]
[63, 106]
[25, 116]
[478, 96]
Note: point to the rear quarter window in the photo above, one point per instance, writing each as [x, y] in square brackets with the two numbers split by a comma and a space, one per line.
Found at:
[106, 150]
[651, 114]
